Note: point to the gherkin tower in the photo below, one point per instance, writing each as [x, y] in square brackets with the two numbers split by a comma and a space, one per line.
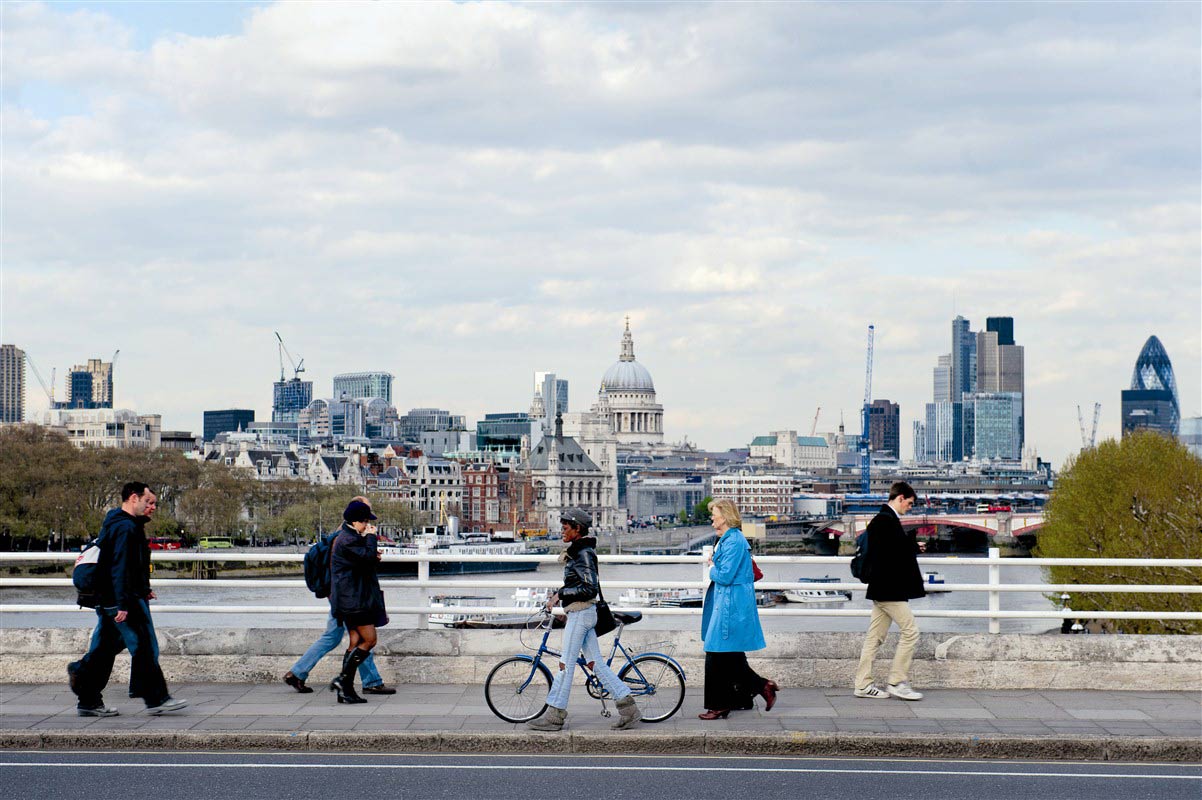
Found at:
[1152, 402]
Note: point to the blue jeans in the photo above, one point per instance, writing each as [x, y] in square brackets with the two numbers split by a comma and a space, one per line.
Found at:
[579, 637]
[327, 642]
[136, 634]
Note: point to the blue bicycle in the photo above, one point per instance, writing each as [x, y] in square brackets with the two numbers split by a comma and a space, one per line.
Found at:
[516, 689]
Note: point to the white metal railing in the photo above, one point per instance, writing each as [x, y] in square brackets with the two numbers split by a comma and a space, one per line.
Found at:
[993, 563]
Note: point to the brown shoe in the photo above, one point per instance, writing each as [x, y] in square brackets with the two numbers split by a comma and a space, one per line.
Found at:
[297, 683]
[711, 714]
[769, 694]
[381, 689]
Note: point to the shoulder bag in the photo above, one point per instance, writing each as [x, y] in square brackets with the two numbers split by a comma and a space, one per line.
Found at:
[605, 617]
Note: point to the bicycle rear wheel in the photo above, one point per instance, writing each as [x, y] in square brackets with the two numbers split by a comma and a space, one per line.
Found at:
[516, 690]
[658, 685]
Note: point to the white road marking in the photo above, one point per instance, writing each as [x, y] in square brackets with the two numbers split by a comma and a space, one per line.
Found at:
[649, 756]
[596, 768]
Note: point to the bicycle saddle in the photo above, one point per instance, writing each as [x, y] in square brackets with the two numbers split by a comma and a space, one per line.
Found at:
[628, 617]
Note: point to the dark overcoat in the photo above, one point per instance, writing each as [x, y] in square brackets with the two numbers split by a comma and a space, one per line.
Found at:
[354, 587]
[893, 554]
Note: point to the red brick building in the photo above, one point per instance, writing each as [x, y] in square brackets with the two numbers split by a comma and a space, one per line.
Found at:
[481, 498]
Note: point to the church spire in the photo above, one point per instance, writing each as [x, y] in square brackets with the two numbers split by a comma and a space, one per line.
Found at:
[627, 344]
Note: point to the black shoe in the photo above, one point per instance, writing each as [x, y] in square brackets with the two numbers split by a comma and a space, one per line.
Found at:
[73, 676]
[297, 683]
[380, 689]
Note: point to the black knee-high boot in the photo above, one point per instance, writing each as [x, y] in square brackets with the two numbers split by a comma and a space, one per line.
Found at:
[344, 684]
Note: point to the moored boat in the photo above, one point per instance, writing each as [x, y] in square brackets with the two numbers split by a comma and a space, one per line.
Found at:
[661, 598]
[811, 591]
[458, 613]
[470, 544]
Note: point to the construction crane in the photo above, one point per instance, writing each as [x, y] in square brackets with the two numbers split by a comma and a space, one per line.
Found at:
[49, 390]
[297, 367]
[865, 462]
[1087, 443]
[814, 427]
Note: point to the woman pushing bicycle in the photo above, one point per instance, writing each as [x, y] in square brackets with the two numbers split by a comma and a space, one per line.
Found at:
[578, 595]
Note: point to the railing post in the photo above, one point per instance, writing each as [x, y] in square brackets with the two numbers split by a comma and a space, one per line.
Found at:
[423, 574]
[995, 598]
[707, 553]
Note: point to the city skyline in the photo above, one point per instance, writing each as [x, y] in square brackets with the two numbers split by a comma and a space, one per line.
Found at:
[463, 220]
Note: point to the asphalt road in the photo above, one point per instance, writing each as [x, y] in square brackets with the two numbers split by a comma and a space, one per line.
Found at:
[41, 775]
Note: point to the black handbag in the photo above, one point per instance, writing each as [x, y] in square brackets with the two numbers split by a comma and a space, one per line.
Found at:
[605, 618]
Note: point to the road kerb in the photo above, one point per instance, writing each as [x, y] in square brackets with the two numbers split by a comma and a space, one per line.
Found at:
[729, 743]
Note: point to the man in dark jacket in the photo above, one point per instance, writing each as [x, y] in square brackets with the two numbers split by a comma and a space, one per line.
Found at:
[893, 581]
[123, 617]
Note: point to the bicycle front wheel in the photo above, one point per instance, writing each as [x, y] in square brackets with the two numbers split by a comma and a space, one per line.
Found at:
[658, 685]
[516, 690]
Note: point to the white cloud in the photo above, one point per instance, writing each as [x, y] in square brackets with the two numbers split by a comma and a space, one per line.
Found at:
[464, 193]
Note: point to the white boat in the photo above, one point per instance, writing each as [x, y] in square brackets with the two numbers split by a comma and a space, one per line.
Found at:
[933, 582]
[661, 598]
[460, 544]
[808, 592]
[456, 606]
[458, 612]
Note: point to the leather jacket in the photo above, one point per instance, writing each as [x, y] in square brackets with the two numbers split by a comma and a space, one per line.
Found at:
[580, 582]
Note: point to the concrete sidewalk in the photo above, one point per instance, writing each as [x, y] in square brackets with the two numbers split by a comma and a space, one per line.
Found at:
[1080, 724]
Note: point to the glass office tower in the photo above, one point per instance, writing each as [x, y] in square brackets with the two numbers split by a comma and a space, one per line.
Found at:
[1152, 403]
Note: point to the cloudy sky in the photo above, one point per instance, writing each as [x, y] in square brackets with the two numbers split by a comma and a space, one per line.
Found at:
[463, 194]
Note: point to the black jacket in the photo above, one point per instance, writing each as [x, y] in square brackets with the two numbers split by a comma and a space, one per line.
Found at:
[893, 554]
[354, 587]
[124, 547]
[580, 582]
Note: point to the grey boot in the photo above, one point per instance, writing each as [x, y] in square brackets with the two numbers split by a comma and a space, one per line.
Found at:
[628, 714]
[553, 720]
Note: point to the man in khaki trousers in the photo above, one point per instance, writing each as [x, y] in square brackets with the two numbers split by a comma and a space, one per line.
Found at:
[893, 580]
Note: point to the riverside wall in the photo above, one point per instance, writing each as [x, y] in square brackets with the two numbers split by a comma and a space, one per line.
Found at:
[942, 660]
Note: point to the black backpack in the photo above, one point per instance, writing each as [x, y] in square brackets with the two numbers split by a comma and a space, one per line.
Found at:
[89, 573]
[861, 567]
[317, 567]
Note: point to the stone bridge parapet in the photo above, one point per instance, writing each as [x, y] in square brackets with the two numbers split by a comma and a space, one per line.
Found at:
[943, 660]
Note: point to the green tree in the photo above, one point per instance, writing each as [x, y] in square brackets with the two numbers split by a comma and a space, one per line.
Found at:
[1136, 498]
[215, 507]
[701, 511]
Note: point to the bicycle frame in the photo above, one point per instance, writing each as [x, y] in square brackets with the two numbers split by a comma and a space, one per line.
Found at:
[591, 679]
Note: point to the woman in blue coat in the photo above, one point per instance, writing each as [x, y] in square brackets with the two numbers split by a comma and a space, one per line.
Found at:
[730, 623]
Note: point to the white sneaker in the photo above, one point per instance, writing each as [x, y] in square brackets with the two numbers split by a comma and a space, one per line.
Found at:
[170, 704]
[902, 691]
[873, 692]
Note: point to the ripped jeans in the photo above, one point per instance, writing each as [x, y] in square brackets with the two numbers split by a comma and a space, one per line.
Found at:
[579, 637]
